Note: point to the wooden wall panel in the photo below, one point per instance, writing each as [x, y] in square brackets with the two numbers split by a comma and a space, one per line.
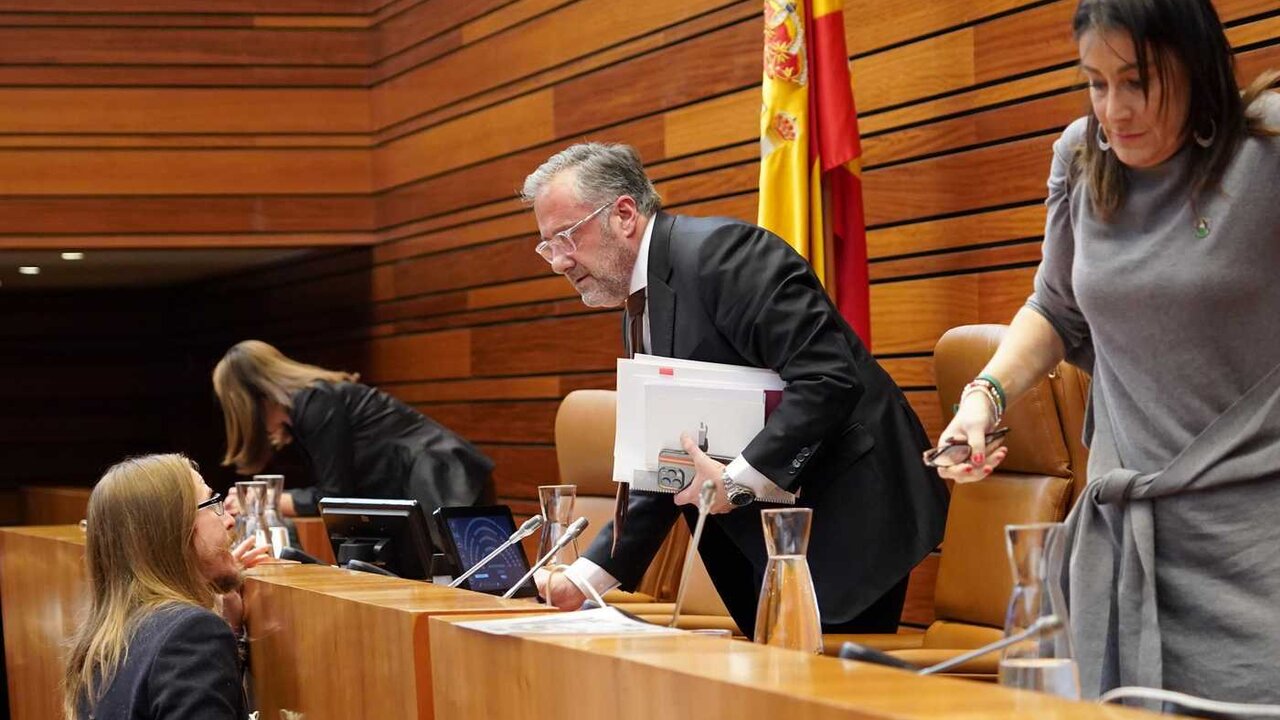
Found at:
[181, 46]
[151, 111]
[160, 172]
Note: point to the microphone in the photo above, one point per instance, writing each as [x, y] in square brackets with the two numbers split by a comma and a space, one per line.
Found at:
[292, 553]
[369, 567]
[854, 651]
[705, 496]
[522, 532]
[571, 533]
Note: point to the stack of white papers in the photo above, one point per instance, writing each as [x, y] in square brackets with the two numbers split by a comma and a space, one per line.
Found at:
[600, 621]
[660, 398]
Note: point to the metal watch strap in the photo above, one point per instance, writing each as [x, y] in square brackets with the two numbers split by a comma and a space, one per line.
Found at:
[739, 495]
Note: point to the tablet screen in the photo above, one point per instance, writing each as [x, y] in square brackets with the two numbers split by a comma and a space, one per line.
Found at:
[477, 536]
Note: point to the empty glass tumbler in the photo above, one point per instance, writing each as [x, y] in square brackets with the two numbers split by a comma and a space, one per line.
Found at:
[788, 612]
[1044, 661]
[557, 511]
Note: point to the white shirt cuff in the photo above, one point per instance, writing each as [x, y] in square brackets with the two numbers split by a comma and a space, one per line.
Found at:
[743, 474]
[583, 573]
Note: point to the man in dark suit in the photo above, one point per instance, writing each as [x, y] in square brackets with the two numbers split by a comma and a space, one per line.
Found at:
[843, 435]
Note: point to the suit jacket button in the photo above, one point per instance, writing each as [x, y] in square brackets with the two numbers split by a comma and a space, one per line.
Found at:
[795, 464]
[791, 471]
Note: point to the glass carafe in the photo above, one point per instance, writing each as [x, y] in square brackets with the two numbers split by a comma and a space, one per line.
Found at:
[252, 521]
[557, 511]
[788, 612]
[277, 530]
[1044, 662]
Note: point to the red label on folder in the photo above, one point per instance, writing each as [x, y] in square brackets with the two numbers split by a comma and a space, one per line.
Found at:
[666, 371]
[772, 398]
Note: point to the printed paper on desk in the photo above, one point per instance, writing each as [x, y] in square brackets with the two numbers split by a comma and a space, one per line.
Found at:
[600, 621]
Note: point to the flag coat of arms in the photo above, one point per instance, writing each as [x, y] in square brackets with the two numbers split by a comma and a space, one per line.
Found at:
[810, 171]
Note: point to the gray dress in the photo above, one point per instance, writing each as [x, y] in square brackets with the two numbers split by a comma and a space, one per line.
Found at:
[1175, 566]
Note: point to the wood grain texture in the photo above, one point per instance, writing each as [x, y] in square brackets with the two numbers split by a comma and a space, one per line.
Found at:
[42, 592]
[636, 678]
[154, 111]
[311, 624]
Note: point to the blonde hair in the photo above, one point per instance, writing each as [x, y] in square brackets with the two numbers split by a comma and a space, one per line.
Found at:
[140, 556]
[250, 372]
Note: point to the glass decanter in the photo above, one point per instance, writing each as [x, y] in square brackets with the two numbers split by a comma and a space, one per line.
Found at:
[252, 521]
[277, 530]
[788, 612]
[1043, 662]
[557, 511]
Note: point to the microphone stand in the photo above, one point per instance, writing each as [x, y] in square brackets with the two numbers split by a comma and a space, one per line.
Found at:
[521, 533]
[1047, 623]
[570, 534]
[705, 496]
[854, 651]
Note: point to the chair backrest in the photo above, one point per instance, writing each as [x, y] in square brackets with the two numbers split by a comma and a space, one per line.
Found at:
[584, 450]
[1037, 482]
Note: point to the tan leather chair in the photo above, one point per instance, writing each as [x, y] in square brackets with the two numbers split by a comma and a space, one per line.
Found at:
[1037, 482]
[584, 451]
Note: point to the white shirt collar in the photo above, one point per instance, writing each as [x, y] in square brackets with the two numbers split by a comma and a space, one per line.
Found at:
[640, 273]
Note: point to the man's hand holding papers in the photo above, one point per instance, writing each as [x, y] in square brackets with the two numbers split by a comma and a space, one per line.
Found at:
[706, 469]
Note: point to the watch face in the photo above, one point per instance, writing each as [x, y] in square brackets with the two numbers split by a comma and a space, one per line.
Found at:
[740, 497]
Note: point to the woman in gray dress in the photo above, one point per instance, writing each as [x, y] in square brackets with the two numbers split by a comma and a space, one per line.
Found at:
[1161, 250]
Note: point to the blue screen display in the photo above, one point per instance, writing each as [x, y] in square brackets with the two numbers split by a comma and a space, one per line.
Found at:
[475, 538]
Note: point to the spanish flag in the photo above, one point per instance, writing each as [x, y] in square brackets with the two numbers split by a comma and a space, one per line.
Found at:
[810, 170]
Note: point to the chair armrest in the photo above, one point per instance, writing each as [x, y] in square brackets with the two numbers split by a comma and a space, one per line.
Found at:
[617, 597]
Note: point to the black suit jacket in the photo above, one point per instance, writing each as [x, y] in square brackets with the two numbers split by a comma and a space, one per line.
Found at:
[361, 442]
[843, 435]
[181, 665]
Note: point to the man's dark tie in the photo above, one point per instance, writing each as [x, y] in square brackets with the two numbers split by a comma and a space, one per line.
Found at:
[635, 323]
[634, 344]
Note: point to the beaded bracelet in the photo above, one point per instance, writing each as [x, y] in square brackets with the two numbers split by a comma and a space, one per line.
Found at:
[995, 385]
[996, 397]
[988, 393]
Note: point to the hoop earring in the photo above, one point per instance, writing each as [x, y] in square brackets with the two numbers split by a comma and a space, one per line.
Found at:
[1103, 145]
[1206, 142]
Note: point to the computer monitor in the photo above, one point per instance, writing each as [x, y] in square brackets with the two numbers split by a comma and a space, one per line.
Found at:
[391, 534]
[469, 534]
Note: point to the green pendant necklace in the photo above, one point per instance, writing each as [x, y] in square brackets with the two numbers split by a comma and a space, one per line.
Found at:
[1202, 228]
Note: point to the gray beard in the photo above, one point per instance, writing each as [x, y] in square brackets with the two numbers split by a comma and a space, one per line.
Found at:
[613, 275]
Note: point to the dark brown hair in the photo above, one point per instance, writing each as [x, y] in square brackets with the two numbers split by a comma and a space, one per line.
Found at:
[1171, 34]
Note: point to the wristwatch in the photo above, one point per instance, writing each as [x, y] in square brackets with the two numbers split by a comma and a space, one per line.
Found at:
[739, 495]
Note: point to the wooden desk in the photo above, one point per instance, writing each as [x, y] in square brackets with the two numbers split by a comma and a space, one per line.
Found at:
[43, 586]
[54, 504]
[643, 678]
[345, 645]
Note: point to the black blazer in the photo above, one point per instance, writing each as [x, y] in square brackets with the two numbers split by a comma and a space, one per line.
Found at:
[181, 665]
[361, 442]
[843, 435]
